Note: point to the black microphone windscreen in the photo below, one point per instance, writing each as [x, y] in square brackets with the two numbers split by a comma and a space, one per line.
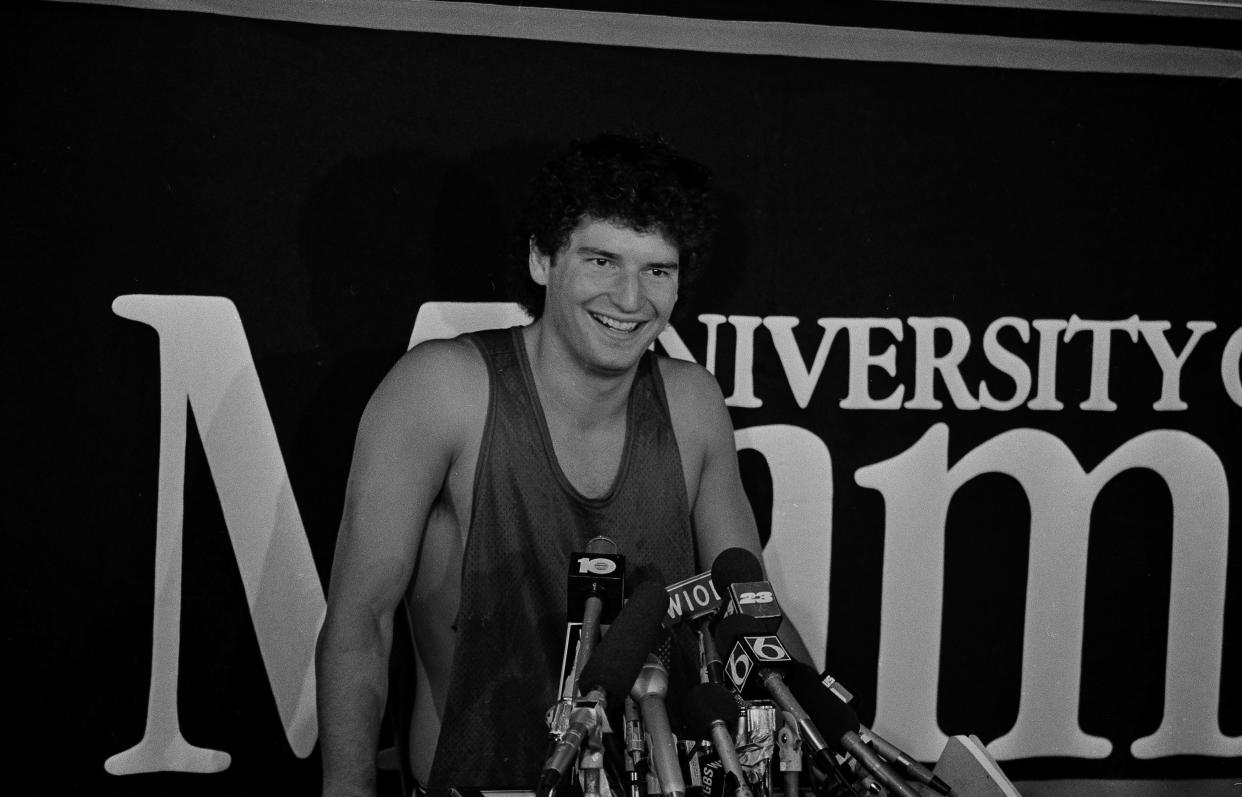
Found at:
[616, 660]
[735, 565]
[827, 712]
[705, 704]
[646, 572]
[734, 626]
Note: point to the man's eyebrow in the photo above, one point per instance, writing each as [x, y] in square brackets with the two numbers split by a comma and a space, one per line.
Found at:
[591, 250]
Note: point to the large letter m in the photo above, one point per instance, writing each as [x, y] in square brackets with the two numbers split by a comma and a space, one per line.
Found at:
[918, 485]
[205, 364]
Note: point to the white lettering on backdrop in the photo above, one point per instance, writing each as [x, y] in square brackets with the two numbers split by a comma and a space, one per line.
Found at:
[205, 359]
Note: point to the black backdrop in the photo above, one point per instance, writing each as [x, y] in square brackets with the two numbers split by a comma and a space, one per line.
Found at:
[329, 181]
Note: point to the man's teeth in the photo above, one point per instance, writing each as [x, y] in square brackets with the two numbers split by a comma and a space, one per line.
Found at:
[612, 323]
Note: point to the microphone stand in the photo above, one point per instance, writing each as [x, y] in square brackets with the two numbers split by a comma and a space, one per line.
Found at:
[636, 748]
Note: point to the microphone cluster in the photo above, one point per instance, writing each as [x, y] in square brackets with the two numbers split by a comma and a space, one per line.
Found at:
[750, 697]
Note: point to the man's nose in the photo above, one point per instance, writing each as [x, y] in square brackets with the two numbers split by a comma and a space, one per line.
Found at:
[627, 292]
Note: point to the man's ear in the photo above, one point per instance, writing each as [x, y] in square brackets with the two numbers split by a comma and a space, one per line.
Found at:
[539, 264]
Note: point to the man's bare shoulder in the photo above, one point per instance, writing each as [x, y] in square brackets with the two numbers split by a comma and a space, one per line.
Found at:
[684, 376]
[694, 400]
[437, 385]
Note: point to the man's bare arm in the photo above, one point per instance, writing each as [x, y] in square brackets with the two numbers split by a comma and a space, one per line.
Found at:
[407, 440]
[723, 517]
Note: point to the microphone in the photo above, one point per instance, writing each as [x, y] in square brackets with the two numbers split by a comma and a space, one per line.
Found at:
[754, 653]
[840, 724]
[596, 584]
[711, 671]
[735, 564]
[693, 598]
[897, 757]
[750, 667]
[636, 748]
[751, 646]
[737, 574]
[711, 712]
[822, 703]
[752, 627]
[649, 690]
[696, 600]
[607, 675]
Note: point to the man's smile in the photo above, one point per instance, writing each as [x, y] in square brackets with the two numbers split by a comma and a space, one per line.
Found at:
[615, 324]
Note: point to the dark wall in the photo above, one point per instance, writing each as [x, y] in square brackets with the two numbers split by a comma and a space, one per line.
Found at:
[329, 181]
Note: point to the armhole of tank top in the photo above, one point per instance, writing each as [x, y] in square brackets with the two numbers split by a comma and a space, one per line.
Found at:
[485, 442]
[657, 380]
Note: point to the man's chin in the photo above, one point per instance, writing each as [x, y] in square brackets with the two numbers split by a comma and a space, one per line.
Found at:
[614, 366]
[618, 360]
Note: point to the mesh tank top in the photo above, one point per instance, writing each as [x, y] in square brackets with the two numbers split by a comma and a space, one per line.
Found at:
[526, 521]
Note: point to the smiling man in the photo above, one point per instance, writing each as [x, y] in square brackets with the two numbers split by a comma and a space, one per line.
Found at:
[484, 461]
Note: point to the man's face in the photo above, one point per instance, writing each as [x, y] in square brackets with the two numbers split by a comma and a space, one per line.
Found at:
[610, 291]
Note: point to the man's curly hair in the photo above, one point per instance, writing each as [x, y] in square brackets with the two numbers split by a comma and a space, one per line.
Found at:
[638, 183]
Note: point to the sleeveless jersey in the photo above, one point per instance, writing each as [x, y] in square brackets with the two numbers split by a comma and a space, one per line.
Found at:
[526, 521]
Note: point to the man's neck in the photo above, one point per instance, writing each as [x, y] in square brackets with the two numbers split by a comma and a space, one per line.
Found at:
[567, 388]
